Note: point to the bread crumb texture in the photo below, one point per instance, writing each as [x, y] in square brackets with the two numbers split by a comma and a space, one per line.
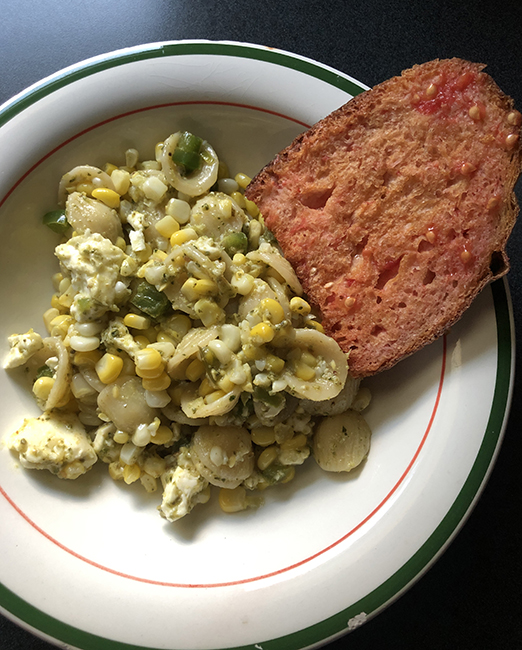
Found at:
[395, 209]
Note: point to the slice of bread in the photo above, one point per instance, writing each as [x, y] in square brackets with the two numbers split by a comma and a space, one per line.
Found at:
[395, 209]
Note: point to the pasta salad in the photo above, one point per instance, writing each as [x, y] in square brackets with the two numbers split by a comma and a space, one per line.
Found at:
[179, 348]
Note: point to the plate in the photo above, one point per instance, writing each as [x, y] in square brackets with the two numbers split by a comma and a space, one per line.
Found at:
[91, 564]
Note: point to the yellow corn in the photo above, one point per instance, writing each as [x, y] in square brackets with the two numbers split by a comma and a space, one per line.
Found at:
[121, 437]
[274, 364]
[121, 244]
[65, 300]
[195, 370]
[161, 256]
[267, 457]
[263, 436]
[272, 309]
[251, 353]
[60, 325]
[121, 180]
[162, 435]
[108, 168]
[214, 396]
[136, 321]
[233, 500]
[109, 197]
[116, 470]
[239, 199]
[182, 236]
[165, 338]
[193, 289]
[142, 340]
[308, 358]
[42, 387]
[149, 483]
[167, 226]
[300, 440]
[150, 374]
[109, 368]
[262, 333]
[251, 208]
[87, 358]
[304, 371]
[148, 359]
[205, 388]
[158, 383]
[208, 312]
[179, 373]
[313, 324]
[48, 316]
[86, 188]
[226, 384]
[299, 306]
[131, 473]
[242, 180]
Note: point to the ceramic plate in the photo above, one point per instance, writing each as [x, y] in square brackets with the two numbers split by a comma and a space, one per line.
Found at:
[91, 564]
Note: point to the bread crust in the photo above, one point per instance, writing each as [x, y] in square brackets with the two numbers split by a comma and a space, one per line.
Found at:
[396, 208]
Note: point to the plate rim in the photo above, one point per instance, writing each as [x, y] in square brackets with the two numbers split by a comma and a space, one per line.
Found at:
[318, 634]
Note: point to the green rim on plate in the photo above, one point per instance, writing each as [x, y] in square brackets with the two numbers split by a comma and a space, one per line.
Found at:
[391, 589]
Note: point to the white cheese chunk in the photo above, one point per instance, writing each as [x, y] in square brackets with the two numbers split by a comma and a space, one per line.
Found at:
[56, 442]
[93, 264]
[183, 488]
[23, 346]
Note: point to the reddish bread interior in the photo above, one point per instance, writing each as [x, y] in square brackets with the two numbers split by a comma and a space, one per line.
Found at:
[395, 209]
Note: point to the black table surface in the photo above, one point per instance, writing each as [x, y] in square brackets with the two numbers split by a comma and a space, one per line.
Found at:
[471, 597]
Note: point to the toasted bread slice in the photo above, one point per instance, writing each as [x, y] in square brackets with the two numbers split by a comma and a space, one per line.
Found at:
[395, 209]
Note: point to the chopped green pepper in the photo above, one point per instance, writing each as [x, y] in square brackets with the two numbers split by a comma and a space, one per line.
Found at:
[235, 242]
[187, 152]
[44, 371]
[262, 395]
[149, 300]
[56, 221]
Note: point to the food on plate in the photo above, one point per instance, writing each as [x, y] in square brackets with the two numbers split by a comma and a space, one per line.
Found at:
[180, 349]
[395, 209]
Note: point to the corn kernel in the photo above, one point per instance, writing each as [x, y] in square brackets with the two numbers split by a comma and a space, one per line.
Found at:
[209, 312]
[195, 370]
[121, 437]
[263, 436]
[131, 473]
[87, 358]
[48, 316]
[148, 359]
[242, 180]
[108, 168]
[162, 436]
[42, 387]
[267, 457]
[251, 208]
[182, 236]
[233, 500]
[262, 333]
[308, 358]
[274, 364]
[109, 197]
[273, 310]
[121, 181]
[313, 324]
[136, 321]
[167, 226]
[109, 368]
[60, 325]
[116, 470]
[158, 383]
[299, 306]
[239, 199]
[205, 388]
[149, 483]
[226, 384]
[303, 371]
[142, 340]
[298, 441]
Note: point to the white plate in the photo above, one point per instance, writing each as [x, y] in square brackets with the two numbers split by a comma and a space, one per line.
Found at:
[91, 564]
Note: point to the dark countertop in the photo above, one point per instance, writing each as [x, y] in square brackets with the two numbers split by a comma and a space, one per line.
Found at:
[471, 598]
